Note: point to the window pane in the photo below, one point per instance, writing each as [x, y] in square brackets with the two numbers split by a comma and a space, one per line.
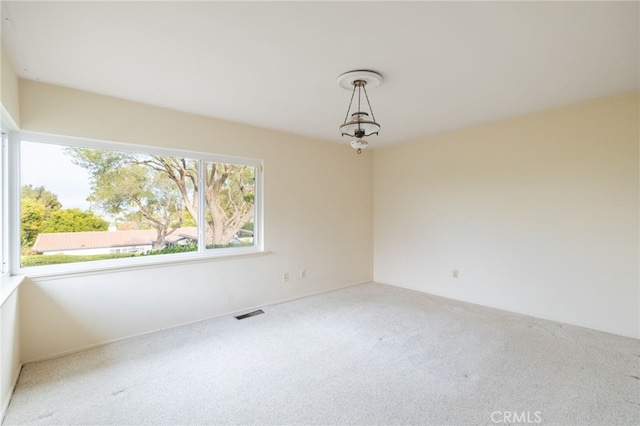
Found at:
[83, 204]
[230, 208]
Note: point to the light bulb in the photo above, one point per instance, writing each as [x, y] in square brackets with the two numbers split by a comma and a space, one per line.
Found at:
[359, 145]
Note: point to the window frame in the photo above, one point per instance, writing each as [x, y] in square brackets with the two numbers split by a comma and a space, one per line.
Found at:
[202, 254]
[7, 125]
[4, 200]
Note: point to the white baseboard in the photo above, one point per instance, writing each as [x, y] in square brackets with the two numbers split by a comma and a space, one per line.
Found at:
[235, 312]
[7, 400]
[531, 314]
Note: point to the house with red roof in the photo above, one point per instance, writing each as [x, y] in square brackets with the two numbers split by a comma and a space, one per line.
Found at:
[108, 242]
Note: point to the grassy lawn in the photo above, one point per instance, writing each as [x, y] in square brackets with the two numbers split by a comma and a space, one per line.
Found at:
[39, 260]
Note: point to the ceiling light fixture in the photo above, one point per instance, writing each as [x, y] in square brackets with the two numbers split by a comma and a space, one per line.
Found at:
[362, 123]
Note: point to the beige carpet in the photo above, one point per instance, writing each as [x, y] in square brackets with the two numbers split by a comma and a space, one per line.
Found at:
[370, 354]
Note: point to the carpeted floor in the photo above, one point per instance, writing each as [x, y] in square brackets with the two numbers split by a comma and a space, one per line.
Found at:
[370, 354]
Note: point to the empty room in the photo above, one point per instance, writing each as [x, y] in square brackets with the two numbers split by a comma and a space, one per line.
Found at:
[320, 213]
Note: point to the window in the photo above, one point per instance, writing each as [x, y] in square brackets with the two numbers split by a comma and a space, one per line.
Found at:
[89, 201]
[4, 246]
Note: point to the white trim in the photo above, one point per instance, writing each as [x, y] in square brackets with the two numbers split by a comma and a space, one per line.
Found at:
[7, 125]
[82, 269]
[258, 205]
[132, 148]
[232, 313]
[8, 285]
[4, 201]
[202, 230]
[12, 388]
[524, 312]
[12, 209]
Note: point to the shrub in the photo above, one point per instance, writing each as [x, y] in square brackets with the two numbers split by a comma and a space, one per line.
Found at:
[173, 249]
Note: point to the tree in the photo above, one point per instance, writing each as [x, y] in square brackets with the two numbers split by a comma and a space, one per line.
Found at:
[229, 193]
[156, 202]
[32, 214]
[159, 189]
[36, 204]
[40, 212]
[38, 193]
[73, 220]
[123, 186]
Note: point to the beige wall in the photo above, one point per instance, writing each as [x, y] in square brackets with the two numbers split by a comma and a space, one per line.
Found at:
[317, 216]
[539, 214]
[9, 89]
[9, 346]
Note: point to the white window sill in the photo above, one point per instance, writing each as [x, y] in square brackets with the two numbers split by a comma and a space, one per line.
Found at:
[9, 284]
[44, 273]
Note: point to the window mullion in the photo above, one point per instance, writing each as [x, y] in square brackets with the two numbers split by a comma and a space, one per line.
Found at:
[202, 227]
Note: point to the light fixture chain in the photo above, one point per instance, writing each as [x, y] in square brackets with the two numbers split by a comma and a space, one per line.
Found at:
[359, 123]
[360, 86]
[373, 117]
[346, 117]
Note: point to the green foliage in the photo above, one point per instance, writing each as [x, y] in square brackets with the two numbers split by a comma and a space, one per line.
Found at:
[161, 192]
[36, 205]
[39, 194]
[40, 260]
[31, 217]
[41, 212]
[190, 246]
[218, 246]
[73, 220]
[139, 188]
[188, 221]
[230, 197]
[248, 226]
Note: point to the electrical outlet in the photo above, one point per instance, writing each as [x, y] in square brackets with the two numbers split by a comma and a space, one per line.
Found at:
[303, 274]
[285, 277]
[455, 273]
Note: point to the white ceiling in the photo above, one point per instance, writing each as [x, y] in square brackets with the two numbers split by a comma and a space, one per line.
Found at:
[446, 65]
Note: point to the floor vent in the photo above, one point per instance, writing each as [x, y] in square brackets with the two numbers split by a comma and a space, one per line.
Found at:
[250, 314]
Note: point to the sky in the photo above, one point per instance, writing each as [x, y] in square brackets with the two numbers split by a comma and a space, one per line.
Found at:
[47, 165]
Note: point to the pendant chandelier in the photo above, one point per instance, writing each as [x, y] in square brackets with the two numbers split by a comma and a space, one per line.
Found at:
[359, 123]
